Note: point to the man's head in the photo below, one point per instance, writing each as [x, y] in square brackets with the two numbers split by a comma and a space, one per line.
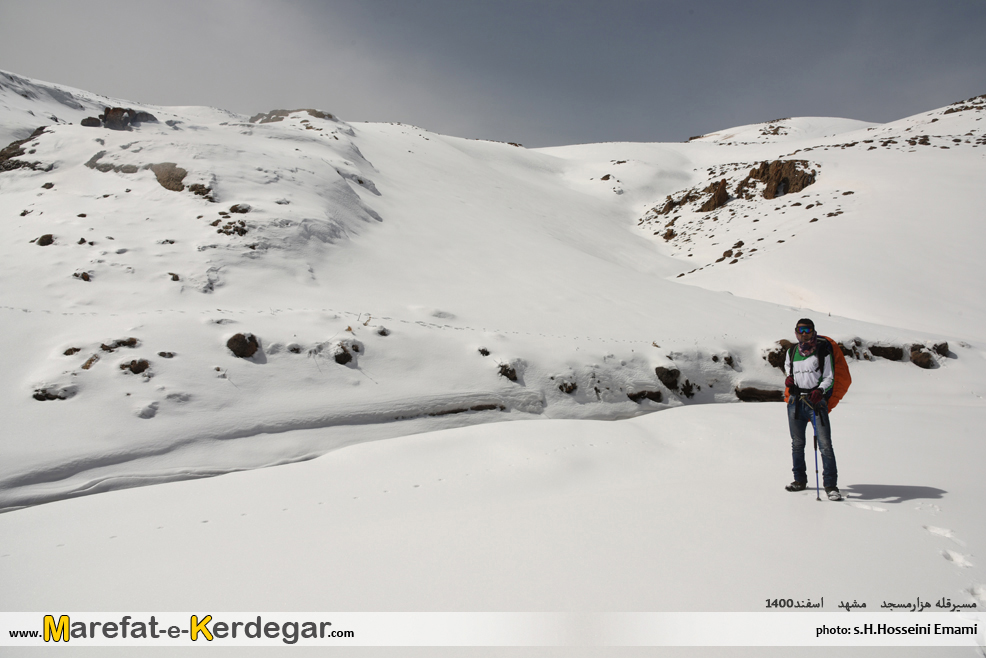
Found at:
[805, 330]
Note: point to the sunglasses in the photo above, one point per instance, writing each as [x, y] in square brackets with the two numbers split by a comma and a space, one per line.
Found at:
[803, 330]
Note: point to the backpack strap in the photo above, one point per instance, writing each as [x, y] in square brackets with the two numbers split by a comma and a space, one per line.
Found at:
[822, 350]
[793, 390]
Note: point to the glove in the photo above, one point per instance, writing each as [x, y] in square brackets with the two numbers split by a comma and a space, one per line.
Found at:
[789, 382]
[815, 396]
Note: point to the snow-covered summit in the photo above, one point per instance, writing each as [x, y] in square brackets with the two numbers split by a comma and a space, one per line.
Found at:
[784, 130]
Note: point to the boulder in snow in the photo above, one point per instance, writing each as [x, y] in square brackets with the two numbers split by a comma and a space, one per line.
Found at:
[243, 345]
[889, 352]
[668, 377]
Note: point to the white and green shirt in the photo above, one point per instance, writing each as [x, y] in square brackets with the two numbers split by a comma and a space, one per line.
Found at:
[806, 372]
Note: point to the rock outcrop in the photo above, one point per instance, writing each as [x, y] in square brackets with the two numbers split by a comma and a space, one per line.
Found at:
[14, 150]
[720, 195]
[169, 175]
[279, 115]
[751, 394]
[640, 396]
[119, 118]
[777, 356]
[779, 177]
[889, 352]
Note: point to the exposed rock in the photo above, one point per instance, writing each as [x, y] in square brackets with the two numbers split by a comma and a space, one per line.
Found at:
[245, 345]
[72, 350]
[751, 394]
[43, 394]
[484, 351]
[571, 387]
[46, 240]
[780, 177]
[278, 115]
[231, 227]
[48, 186]
[383, 331]
[115, 118]
[93, 163]
[90, 361]
[922, 358]
[143, 117]
[14, 150]
[720, 195]
[941, 349]
[202, 190]
[974, 103]
[851, 349]
[889, 352]
[166, 355]
[654, 396]
[670, 203]
[169, 175]
[136, 366]
[122, 118]
[506, 370]
[777, 356]
[241, 207]
[668, 376]
[92, 122]
[343, 355]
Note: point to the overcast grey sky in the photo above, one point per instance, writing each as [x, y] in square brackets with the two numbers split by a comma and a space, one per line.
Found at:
[538, 72]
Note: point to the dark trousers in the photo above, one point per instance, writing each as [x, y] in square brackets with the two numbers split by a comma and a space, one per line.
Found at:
[823, 429]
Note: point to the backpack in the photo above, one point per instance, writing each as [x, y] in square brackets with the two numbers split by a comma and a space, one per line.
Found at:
[843, 379]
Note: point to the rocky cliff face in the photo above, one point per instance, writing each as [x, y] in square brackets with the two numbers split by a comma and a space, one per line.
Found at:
[779, 177]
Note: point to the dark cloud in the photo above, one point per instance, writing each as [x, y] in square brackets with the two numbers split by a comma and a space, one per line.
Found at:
[536, 72]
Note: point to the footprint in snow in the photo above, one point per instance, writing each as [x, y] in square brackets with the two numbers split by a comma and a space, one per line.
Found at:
[944, 532]
[978, 591]
[872, 508]
[955, 558]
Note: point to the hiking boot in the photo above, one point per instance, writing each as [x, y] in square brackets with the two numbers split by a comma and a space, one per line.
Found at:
[833, 493]
[796, 486]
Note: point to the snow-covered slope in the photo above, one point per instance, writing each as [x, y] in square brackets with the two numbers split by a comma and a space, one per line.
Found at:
[401, 282]
[466, 281]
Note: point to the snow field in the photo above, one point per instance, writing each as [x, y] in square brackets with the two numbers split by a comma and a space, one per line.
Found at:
[457, 247]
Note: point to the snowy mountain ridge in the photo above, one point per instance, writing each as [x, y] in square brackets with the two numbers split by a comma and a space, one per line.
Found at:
[399, 281]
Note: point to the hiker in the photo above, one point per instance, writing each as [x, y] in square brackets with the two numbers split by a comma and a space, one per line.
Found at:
[810, 369]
